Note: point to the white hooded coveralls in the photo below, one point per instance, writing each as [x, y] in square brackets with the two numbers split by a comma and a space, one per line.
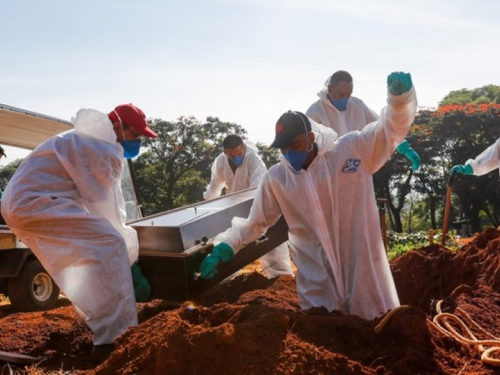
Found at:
[334, 228]
[355, 117]
[487, 160]
[248, 174]
[65, 202]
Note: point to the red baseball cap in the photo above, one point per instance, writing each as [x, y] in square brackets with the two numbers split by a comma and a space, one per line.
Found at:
[129, 114]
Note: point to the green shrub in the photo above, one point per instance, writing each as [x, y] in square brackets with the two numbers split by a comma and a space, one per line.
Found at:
[400, 243]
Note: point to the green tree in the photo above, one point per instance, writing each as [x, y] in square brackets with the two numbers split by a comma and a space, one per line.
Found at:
[462, 132]
[175, 168]
[429, 178]
[270, 156]
[7, 172]
[395, 180]
[482, 95]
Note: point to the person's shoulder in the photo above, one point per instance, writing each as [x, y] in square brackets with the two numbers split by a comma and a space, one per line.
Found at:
[357, 101]
[254, 157]
[314, 107]
[276, 171]
[220, 157]
[220, 160]
[251, 148]
[273, 169]
[343, 141]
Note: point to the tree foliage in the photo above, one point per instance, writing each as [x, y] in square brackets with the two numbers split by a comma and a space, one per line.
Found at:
[175, 168]
[7, 172]
[482, 95]
[462, 132]
[270, 156]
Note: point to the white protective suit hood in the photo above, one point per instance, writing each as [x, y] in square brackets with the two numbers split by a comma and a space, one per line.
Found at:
[95, 124]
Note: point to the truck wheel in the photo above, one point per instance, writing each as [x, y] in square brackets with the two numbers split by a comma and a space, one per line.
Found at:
[33, 289]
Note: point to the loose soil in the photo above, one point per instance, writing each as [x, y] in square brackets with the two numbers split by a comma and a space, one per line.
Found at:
[253, 325]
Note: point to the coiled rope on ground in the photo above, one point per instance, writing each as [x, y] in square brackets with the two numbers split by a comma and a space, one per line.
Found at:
[442, 324]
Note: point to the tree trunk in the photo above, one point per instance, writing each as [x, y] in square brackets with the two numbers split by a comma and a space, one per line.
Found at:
[432, 211]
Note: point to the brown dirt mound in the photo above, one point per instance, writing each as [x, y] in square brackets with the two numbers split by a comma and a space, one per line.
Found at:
[434, 272]
[252, 325]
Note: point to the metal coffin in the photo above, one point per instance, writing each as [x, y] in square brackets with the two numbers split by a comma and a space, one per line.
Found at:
[178, 230]
[173, 244]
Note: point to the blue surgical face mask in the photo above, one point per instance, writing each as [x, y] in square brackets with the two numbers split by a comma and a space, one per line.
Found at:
[131, 148]
[296, 158]
[340, 104]
[237, 160]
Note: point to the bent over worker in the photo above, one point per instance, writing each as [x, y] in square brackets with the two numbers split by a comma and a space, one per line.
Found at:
[65, 202]
[324, 189]
[339, 110]
[240, 167]
[485, 162]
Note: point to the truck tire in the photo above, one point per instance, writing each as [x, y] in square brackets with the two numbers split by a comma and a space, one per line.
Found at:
[32, 289]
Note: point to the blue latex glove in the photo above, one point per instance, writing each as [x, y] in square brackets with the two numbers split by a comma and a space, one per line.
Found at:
[405, 149]
[462, 169]
[221, 253]
[142, 289]
[398, 83]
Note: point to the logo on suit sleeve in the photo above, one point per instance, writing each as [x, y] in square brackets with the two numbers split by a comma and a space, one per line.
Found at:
[351, 165]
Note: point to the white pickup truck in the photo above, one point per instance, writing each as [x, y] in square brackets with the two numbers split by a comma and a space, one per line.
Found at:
[22, 277]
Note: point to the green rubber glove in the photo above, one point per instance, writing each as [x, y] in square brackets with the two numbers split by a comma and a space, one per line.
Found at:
[462, 169]
[405, 149]
[398, 83]
[142, 289]
[221, 253]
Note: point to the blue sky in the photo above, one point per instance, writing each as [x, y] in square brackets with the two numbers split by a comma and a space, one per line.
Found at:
[244, 61]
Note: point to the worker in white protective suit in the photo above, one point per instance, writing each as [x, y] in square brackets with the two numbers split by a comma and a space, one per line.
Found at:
[65, 202]
[485, 162]
[323, 187]
[339, 110]
[240, 167]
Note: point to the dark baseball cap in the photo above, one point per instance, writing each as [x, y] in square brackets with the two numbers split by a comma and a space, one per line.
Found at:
[289, 125]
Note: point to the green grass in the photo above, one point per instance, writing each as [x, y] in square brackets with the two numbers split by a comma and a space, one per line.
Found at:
[400, 243]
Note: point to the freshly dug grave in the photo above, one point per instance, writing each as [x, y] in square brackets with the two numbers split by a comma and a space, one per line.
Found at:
[253, 325]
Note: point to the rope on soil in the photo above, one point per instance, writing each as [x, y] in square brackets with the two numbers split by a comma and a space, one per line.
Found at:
[442, 323]
[388, 317]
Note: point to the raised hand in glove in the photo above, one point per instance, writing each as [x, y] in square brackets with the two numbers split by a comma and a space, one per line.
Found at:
[221, 253]
[398, 83]
[405, 149]
[142, 289]
[462, 169]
